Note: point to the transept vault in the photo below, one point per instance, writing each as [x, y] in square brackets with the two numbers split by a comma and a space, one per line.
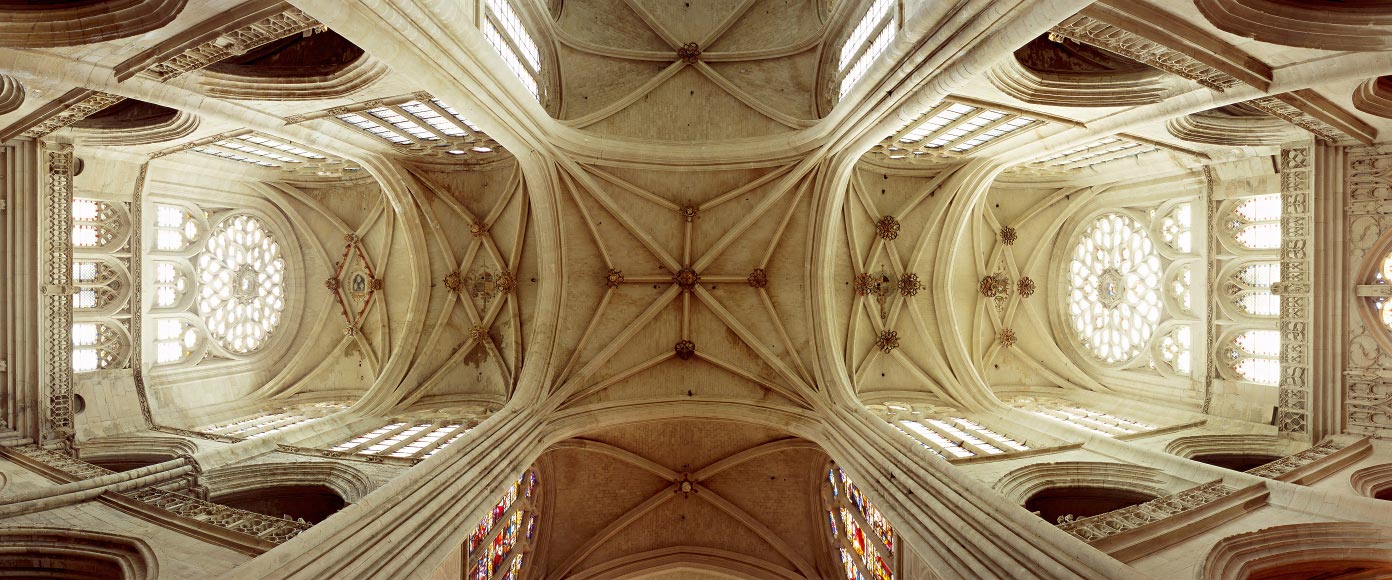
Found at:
[696, 289]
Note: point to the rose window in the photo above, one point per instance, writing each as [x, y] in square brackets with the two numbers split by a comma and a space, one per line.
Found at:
[1114, 288]
[242, 277]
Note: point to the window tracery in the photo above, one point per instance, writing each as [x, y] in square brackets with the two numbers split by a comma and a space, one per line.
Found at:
[100, 276]
[1114, 298]
[241, 284]
[1254, 355]
[1176, 349]
[1256, 222]
[175, 340]
[1248, 235]
[175, 227]
[867, 41]
[864, 538]
[1250, 289]
[172, 283]
[499, 543]
[97, 346]
[503, 28]
[96, 224]
[1177, 228]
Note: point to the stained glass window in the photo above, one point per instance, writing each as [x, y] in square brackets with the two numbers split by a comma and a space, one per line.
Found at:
[493, 547]
[1113, 282]
[864, 537]
[175, 340]
[868, 40]
[242, 284]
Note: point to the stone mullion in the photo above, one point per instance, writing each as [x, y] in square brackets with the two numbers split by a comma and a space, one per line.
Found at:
[926, 441]
[289, 420]
[469, 131]
[419, 123]
[929, 114]
[464, 426]
[408, 440]
[946, 516]
[57, 289]
[1295, 289]
[380, 438]
[495, 527]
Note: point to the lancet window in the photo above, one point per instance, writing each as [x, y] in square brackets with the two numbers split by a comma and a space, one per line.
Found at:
[864, 539]
[872, 34]
[98, 345]
[1256, 222]
[497, 548]
[503, 28]
[1248, 232]
[1255, 355]
[101, 276]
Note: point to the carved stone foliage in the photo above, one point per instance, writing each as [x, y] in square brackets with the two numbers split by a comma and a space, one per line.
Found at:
[271, 529]
[1368, 377]
[1087, 30]
[353, 283]
[55, 263]
[1297, 225]
[758, 278]
[909, 285]
[88, 105]
[1290, 463]
[163, 63]
[887, 228]
[685, 349]
[888, 341]
[1007, 337]
[1115, 522]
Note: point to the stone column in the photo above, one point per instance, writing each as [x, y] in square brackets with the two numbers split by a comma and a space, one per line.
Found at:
[1312, 262]
[949, 521]
[413, 525]
[21, 343]
[56, 290]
